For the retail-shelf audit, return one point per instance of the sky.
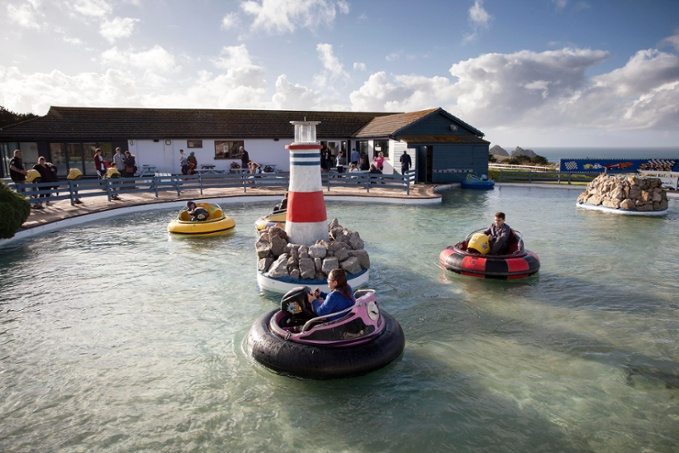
(529, 73)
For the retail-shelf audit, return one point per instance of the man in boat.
(499, 233)
(196, 212)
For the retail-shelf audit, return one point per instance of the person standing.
(16, 170)
(99, 163)
(191, 163)
(183, 163)
(45, 176)
(130, 164)
(379, 161)
(406, 162)
(355, 156)
(244, 158)
(325, 157)
(119, 160)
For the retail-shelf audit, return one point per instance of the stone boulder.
(629, 193)
(343, 248)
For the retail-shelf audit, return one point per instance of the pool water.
(116, 337)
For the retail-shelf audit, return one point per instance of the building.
(443, 148)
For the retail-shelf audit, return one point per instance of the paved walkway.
(61, 210)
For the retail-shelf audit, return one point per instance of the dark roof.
(386, 126)
(442, 139)
(85, 123)
(391, 125)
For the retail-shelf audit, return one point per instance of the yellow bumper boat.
(216, 222)
(277, 218)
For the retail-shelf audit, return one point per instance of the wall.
(452, 162)
(166, 157)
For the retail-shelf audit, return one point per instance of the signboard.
(617, 165)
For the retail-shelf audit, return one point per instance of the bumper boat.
(216, 222)
(479, 183)
(275, 219)
(355, 341)
(516, 263)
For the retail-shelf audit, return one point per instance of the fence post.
(244, 181)
(107, 182)
(200, 183)
(155, 184)
(177, 184)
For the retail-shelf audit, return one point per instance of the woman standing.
(99, 163)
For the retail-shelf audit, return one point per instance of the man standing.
(119, 160)
(355, 156)
(244, 158)
(183, 162)
(16, 170)
(406, 162)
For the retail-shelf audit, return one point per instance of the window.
(381, 146)
(363, 147)
(228, 149)
(58, 157)
(194, 143)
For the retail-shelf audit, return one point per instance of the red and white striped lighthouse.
(306, 221)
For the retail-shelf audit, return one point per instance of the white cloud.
(291, 96)
(478, 15)
(38, 91)
(539, 90)
(25, 15)
(229, 21)
(673, 41)
(287, 15)
(393, 56)
(118, 27)
(478, 18)
(560, 4)
(72, 40)
(91, 8)
(155, 60)
(382, 92)
(359, 66)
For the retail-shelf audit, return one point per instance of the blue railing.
(75, 190)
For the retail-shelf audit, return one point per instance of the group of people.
(188, 164)
(124, 163)
(47, 172)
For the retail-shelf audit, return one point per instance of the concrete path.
(62, 210)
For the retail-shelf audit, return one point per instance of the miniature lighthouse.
(306, 221)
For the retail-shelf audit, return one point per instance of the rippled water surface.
(116, 337)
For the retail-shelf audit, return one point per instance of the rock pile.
(629, 193)
(277, 257)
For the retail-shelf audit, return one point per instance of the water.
(553, 154)
(114, 337)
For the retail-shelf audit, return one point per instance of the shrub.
(14, 210)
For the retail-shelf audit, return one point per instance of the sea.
(554, 154)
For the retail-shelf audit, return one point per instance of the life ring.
(324, 362)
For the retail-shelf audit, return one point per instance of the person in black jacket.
(48, 173)
(406, 162)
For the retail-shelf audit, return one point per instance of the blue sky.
(526, 73)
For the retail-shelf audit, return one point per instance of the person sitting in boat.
(499, 233)
(340, 297)
(196, 212)
(282, 206)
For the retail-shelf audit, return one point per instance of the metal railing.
(540, 176)
(76, 190)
